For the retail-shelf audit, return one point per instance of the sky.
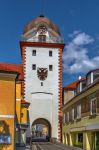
(78, 21)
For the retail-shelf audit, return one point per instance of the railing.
(48, 39)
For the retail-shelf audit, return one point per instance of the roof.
(71, 86)
(92, 71)
(25, 102)
(41, 19)
(83, 91)
(12, 67)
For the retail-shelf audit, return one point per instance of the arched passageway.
(41, 130)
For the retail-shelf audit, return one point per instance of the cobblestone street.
(50, 146)
(47, 146)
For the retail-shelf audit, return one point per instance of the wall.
(68, 95)
(18, 102)
(7, 106)
(45, 104)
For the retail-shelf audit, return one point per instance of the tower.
(41, 48)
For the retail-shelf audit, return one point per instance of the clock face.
(42, 30)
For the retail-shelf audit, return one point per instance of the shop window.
(34, 53)
(93, 106)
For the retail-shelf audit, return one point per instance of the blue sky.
(78, 21)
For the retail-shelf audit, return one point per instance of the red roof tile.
(71, 86)
(12, 67)
(24, 102)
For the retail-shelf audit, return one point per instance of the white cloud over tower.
(76, 57)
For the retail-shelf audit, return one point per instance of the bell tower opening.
(41, 130)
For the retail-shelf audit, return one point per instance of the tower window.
(33, 67)
(42, 38)
(50, 53)
(34, 53)
(41, 83)
(50, 67)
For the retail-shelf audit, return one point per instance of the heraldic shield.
(42, 73)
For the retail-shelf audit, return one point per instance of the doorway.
(41, 130)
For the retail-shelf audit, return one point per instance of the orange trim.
(60, 96)
(24, 102)
(41, 44)
(23, 64)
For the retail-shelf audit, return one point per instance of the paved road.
(50, 146)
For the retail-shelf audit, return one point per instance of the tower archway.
(41, 130)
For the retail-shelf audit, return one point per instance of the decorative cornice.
(40, 44)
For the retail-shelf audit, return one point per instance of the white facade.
(45, 96)
(44, 99)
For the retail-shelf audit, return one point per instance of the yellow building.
(13, 108)
(81, 113)
(7, 109)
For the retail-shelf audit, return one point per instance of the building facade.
(81, 113)
(13, 109)
(41, 49)
(39, 82)
(7, 109)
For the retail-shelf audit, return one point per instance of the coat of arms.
(42, 73)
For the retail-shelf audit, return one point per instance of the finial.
(41, 16)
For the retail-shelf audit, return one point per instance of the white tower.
(41, 48)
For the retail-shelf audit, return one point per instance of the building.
(7, 109)
(81, 112)
(41, 49)
(13, 109)
(39, 82)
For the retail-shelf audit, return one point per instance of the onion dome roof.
(39, 20)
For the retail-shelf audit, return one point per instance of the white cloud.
(75, 56)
